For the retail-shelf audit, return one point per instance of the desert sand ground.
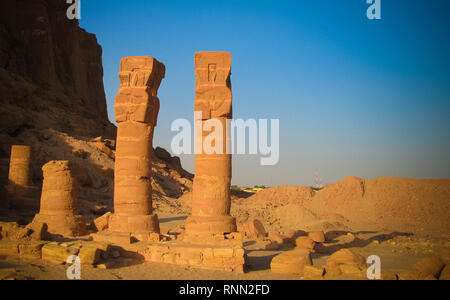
(398, 252)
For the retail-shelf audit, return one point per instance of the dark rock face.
(51, 73)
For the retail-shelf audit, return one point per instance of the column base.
(213, 225)
(24, 199)
(62, 225)
(140, 227)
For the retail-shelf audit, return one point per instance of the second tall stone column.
(211, 192)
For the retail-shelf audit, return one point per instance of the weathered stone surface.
(58, 254)
(348, 257)
(265, 244)
(253, 229)
(332, 270)
(4, 202)
(9, 248)
(115, 238)
(305, 243)
(406, 275)
(39, 231)
(90, 254)
(19, 166)
(278, 238)
(53, 70)
(137, 108)
(13, 231)
(429, 266)
(353, 270)
(20, 193)
(389, 275)
(217, 240)
(102, 223)
(317, 236)
(312, 272)
(228, 259)
(445, 273)
(59, 202)
(293, 235)
(321, 249)
(31, 249)
(103, 147)
(291, 262)
(211, 192)
(445, 256)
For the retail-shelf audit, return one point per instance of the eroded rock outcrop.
(53, 99)
(49, 65)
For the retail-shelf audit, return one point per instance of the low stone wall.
(90, 253)
(214, 254)
(228, 259)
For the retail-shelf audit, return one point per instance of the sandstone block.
(9, 248)
(312, 272)
(293, 235)
(114, 238)
(39, 231)
(353, 270)
(317, 236)
(90, 254)
(407, 275)
(445, 256)
(31, 249)
(305, 243)
(10, 230)
(277, 237)
(223, 252)
(429, 266)
(389, 275)
(57, 254)
(321, 249)
(105, 149)
(254, 229)
(102, 223)
(445, 273)
(291, 262)
(347, 257)
(332, 270)
(208, 252)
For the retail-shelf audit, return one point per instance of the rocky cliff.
(51, 73)
(52, 98)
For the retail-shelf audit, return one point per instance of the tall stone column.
(59, 201)
(21, 194)
(211, 191)
(19, 165)
(136, 108)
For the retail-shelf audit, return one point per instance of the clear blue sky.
(354, 96)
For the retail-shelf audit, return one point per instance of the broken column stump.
(59, 208)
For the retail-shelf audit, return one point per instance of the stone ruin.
(137, 108)
(211, 192)
(59, 210)
(21, 195)
(133, 228)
